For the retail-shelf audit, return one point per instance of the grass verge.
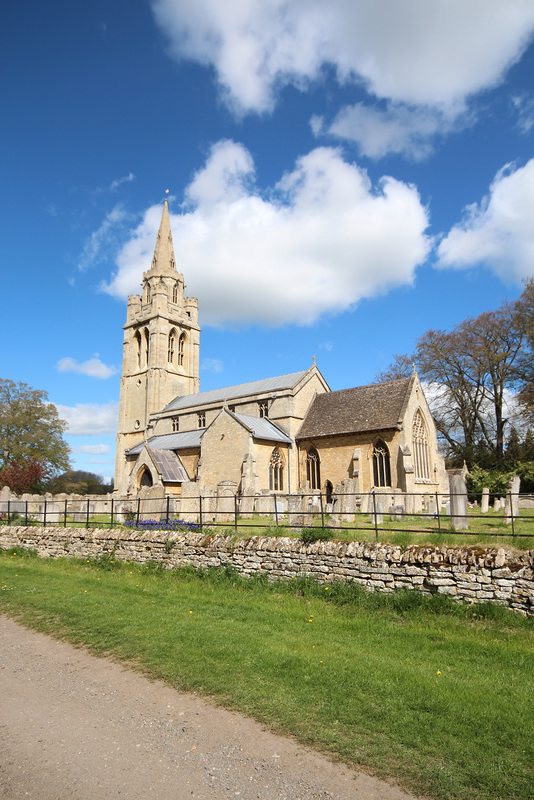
(437, 696)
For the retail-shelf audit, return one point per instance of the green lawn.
(436, 696)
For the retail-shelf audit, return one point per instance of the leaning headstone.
(396, 513)
(484, 502)
(458, 502)
(511, 508)
(496, 504)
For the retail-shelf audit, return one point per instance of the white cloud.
(324, 239)
(212, 365)
(101, 242)
(87, 420)
(418, 52)
(524, 107)
(498, 231)
(119, 181)
(397, 128)
(93, 449)
(94, 368)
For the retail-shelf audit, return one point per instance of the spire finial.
(314, 361)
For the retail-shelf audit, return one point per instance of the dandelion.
(439, 672)
(190, 612)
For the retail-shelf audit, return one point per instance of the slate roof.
(171, 468)
(170, 441)
(233, 392)
(262, 428)
(366, 408)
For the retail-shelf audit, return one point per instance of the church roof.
(234, 392)
(262, 428)
(365, 408)
(169, 465)
(170, 441)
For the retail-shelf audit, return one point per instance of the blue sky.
(343, 176)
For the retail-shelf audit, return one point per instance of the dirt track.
(77, 727)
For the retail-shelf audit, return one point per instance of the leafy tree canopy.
(78, 482)
(30, 429)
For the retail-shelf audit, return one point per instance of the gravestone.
(511, 508)
(458, 491)
(484, 502)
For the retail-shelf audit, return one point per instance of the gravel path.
(77, 727)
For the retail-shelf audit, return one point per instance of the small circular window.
(137, 424)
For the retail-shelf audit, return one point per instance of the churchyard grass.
(437, 696)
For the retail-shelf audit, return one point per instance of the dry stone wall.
(468, 574)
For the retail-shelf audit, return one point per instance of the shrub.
(310, 535)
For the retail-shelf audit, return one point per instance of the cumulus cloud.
(417, 52)
(498, 231)
(93, 449)
(85, 420)
(321, 239)
(395, 128)
(93, 367)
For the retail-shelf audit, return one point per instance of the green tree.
(30, 429)
(524, 309)
(78, 482)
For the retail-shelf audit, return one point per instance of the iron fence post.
(44, 514)
(275, 511)
(200, 510)
(26, 514)
(112, 509)
(167, 511)
(322, 509)
(138, 510)
(235, 513)
(437, 512)
(87, 514)
(65, 514)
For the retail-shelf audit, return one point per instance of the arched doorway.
(146, 478)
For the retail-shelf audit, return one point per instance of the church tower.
(161, 348)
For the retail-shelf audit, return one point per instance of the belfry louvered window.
(421, 456)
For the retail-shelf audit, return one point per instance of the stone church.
(275, 435)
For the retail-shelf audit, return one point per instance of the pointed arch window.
(381, 464)
(146, 337)
(181, 350)
(137, 340)
(313, 470)
(171, 346)
(146, 478)
(276, 471)
(421, 455)
(175, 293)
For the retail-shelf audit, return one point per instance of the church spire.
(163, 260)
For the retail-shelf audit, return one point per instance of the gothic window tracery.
(201, 418)
(175, 293)
(313, 470)
(381, 464)
(263, 408)
(276, 471)
(421, 455)
(175, 424)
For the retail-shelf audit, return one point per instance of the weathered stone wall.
(469, 574)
